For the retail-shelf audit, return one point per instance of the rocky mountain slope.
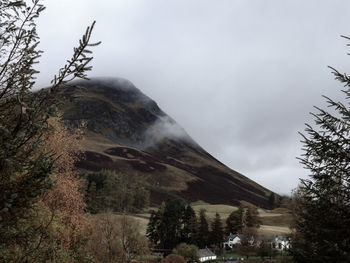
(126, 131)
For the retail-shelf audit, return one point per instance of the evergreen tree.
(24, 164)
(108, 190)
(165, 227)
(202, 238)
(217, 232)
(322, 206)
(172, 223)
(272, 200)
(152, 227)
(91, 198)
(241, 214)
(189, 225)
(234, 222)
(252, 217)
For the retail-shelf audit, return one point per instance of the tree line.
(111, 191)
(176, 222)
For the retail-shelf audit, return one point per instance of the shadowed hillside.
(126, 131)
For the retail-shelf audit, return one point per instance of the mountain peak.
(128, 132)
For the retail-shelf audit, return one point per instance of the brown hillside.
(126, 131)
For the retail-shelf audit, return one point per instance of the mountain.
(126, 131)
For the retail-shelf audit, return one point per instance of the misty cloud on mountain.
(164, 127)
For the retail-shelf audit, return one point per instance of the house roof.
(232, 236)
(273, 238)
(205, 252)
(282, 238)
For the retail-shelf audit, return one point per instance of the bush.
(189, 252)
(172, 258)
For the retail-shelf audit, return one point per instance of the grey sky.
(239, 76)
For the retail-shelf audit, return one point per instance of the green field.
(211, 210)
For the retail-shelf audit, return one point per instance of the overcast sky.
(239, 76)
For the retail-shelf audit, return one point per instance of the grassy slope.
(174, 168)
(171, 179)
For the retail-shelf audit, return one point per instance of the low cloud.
(163, 128)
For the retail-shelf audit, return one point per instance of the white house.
(276, 242)
(206, 254)
(231, 241)
(280, 243)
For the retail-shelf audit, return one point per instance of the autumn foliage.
(113, 238)
(65, 198)
(41, 209)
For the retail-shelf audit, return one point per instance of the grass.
(199, 202)
(273, 230)
(143, 222)
(268, 213)
(282, 256)
(275, 222)
(211, 210)
(281, 220)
